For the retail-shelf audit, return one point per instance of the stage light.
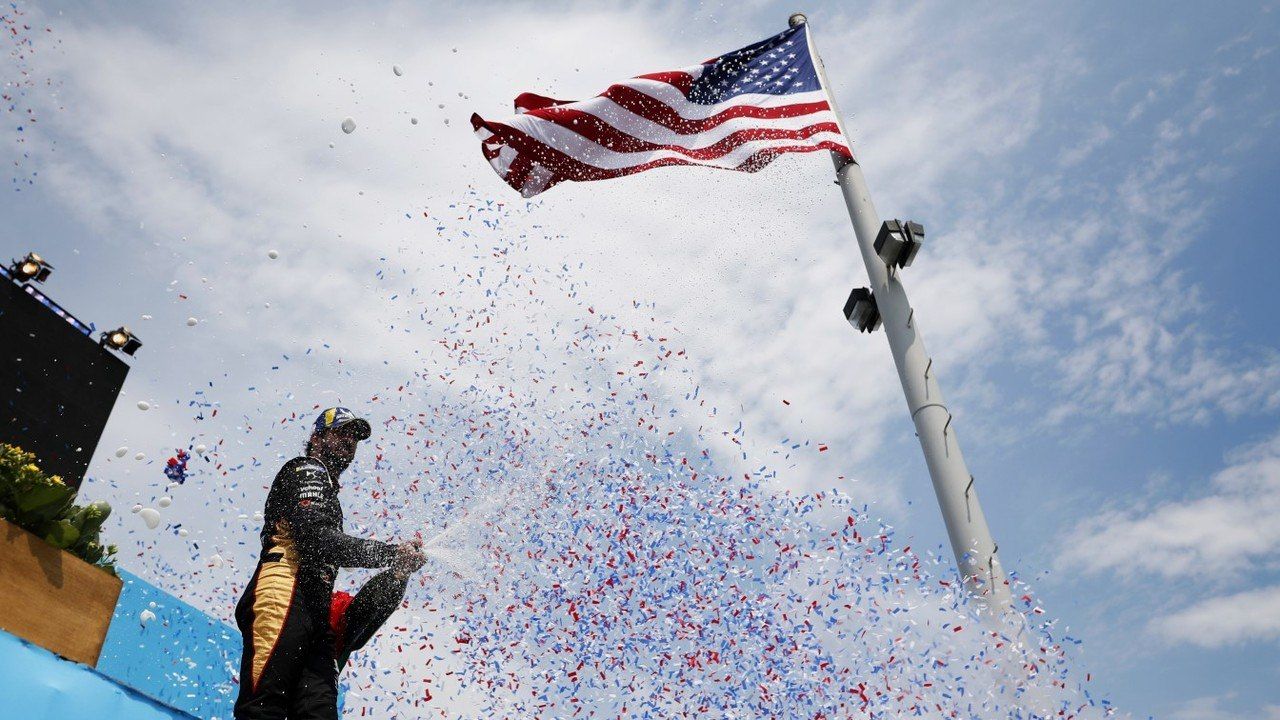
(31, 267)
(898, 242)
(861, 310)
(121, 339)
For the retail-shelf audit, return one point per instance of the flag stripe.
(568, 134)
(663, 105)
(595, 120)
(568, 167)
(571, 142)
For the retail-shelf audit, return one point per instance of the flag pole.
(967, 529)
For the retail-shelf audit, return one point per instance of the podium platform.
(178, 665)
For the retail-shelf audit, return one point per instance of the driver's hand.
(409, 556)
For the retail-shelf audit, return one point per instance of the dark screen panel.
(57, 385)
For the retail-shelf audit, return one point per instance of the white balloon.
(273, 254)
(348, 126)
(121, 451)
(140, 456)
(146, 616)
(191, 322)
(200, 449)
(136, 509)
(182, 532)
(144, 405)
(165, 502)
(396, 69)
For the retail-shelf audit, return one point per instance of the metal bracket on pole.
(927, 405)
(967, 510)
(991, 566)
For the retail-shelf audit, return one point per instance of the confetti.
(603, 542)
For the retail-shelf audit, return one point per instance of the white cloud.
(1233, 528)
(1249, 616)
(1211, 708)
(1096, 137)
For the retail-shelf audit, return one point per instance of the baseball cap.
(336, 417)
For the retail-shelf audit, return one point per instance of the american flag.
(737, 111)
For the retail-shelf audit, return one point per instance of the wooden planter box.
(52, 598)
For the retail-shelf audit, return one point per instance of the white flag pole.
(967, 529)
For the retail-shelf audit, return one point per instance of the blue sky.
(1098, 182)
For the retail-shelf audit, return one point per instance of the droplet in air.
(413, 121)
(151, 517)
(348, 126)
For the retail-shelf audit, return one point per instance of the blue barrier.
(182, 658)
(35, 684)
(178, 665)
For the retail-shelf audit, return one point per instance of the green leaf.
(42, 503)
(61, 534)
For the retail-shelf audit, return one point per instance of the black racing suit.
(287, 667)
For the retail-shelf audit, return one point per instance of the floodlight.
(30, 268)
(861, 310)
(898, 242)
(121, 339)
